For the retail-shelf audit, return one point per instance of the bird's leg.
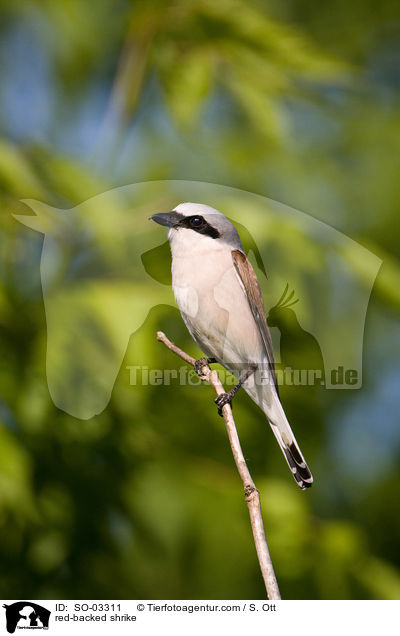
(199, 364)
(226, 398)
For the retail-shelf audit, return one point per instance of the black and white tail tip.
(298, 466)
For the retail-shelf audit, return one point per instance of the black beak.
(169, 219)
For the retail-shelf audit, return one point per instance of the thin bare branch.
(251, 493)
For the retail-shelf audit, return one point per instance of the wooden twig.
(251, 493)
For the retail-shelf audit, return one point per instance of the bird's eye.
(196, 221)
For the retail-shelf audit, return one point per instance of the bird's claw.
(221, 400)
(199, 364)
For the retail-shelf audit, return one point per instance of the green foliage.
(299, 103)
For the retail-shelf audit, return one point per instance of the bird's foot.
(202, 362)
(224, 398)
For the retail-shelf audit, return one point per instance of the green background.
(295, 101)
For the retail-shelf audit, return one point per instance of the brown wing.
(249, 279)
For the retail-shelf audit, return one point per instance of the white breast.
(212, 301)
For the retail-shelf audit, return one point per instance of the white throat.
(186, 243)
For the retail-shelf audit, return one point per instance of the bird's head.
(198, 227)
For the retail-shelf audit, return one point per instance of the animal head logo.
(104, 267)
(299, 349)
(26, 615)
(281, 313)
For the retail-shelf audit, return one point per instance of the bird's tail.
(269, 402)
(284, 434)
(292, 453)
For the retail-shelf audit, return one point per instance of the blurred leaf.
(382, 579)
(188, 85)
(15, 475)
(17, 177)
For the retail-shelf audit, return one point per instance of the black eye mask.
(200, 225)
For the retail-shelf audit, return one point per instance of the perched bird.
(218, 295)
